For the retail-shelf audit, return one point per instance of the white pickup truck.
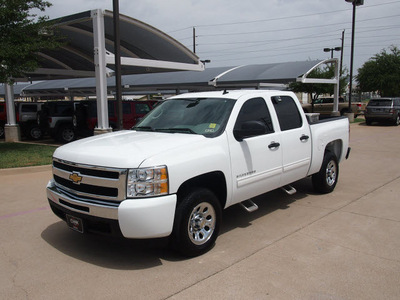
(189, 158)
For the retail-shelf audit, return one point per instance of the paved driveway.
(344, 245)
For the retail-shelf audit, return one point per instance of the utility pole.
(194, 39)
(341, 55)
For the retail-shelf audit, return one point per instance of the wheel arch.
(214, 181)
(335, 147)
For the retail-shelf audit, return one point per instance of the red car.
(85, 116)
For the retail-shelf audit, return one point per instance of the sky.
(237, 32)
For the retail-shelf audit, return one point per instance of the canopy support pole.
(100, 70)
(11, 129)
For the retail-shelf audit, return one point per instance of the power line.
(252, 45)
(283, 18)
(293, 28)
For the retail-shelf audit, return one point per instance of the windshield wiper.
(181, 130)
(144, 128)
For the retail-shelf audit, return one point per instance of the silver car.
(383, 110)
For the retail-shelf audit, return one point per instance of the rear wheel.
(34, 132)
(397, 121)
(1, 131)
(66, 134)
(325, 180)
(197, 222)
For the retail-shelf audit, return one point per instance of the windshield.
(205, 116)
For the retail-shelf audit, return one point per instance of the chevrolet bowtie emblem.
(75, 177)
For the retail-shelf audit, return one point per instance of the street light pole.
(355, 3)
(332, 49)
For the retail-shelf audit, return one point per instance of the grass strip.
(16, 155)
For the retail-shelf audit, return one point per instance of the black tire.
(1, 131)
(35, 132)
(197, 222)
(397, 121)
(325, 180)
(65, 134)
(368, 122)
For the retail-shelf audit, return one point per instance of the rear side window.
(126, 108)
(287, 112)
(29, 108)
(63, 109)
(380, 103)
(142, 108)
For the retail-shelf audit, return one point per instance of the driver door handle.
(273, 145)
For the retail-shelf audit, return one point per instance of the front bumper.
(133, 218)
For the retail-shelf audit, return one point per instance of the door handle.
(304, 137)
(273, 145)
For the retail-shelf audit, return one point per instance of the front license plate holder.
(75, 223)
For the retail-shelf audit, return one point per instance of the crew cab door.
(256, 159)
(295, 139)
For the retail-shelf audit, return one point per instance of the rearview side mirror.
(249, 129)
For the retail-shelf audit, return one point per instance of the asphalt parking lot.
(344, 245)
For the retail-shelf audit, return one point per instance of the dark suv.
(383, 110)
(55, 118)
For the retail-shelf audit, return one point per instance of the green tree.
(23, 34)
(381, 73)
(317, 89)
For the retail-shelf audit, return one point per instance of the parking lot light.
(355, 3)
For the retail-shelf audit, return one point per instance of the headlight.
(147, 182)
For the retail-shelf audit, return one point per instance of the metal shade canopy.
(18, 89)
(251, 76)
(144, 49)
(89, 52)
(256, 75)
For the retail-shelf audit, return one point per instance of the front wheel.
(198, 218)
(325, 180)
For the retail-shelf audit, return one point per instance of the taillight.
(49, 120)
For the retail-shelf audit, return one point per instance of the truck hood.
(123, 149)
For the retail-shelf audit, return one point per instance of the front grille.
(93, 182)
(87, 188)
(85, 171)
